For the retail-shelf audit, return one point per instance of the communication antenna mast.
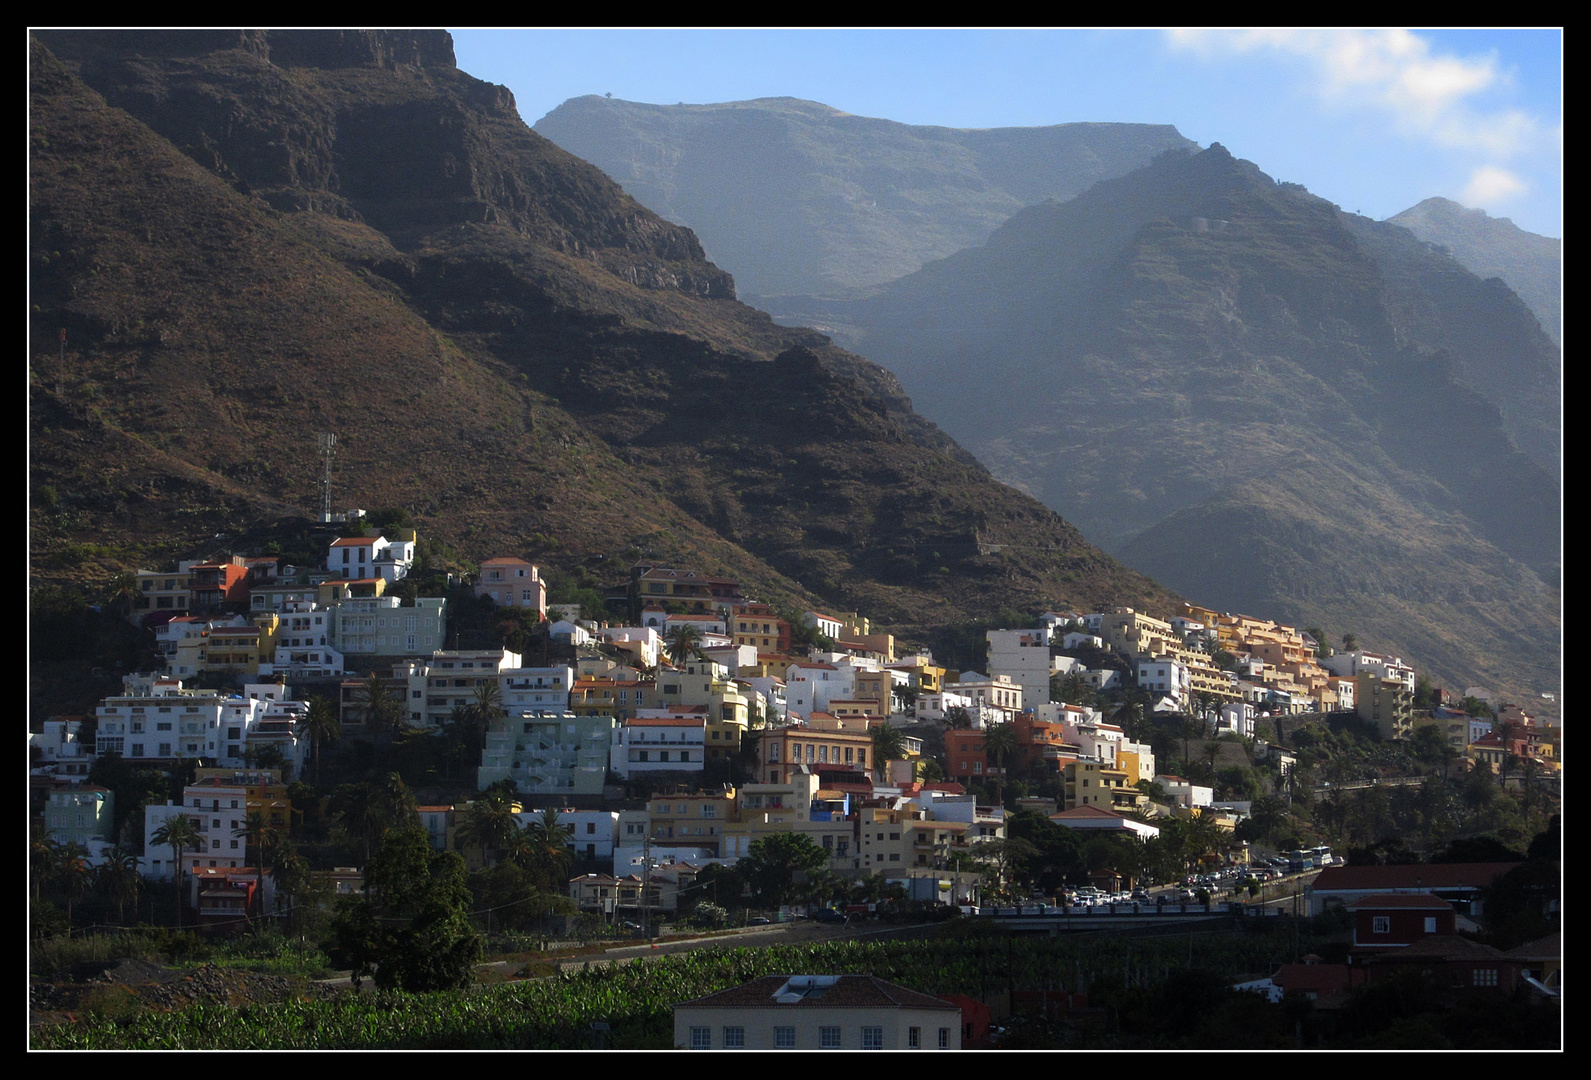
(328, 451)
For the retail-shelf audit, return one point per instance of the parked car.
(829, 915)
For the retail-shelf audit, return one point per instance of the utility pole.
(646, 882)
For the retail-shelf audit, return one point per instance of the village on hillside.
(698, 721)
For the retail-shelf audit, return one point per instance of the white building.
(365, 557)
(385, 626)
(809, 687)
(817, 1012)
(1165, 677)
(666, 745)
(157, 720)
(59, 749)
(1024, 657)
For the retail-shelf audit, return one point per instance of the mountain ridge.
(562, 377)
(1195, 343)
(823, 202)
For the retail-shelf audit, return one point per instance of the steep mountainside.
(248, 237)
(799, 198)
(1488, 247)
(1264, 402)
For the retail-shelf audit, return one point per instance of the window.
(944, 1038)
(709, 810)
(1381, 924)
(1484, 977)
(1430, 924)
(914, 1038)
(784, 1038)
(734, 1038)
(872, 1038)
(829, 1038)
(701, 1038)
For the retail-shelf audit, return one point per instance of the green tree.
(776, 867)
(183, 835)
(366, 810)
(413, 931)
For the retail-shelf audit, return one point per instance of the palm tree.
(289, 870)
(183, 835)
(486, 709)
(490, 824)
(397, 802)
(74, 876)
(999, 745)
(45, 861)
(124, 590)
(118, 878)
(888, 745)
(683, 641)
(383, 711)
(549, 845)
(1129, 716)
(319, 723)
(252, 833)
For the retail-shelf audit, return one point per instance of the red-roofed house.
(1397, 920)
(1458, 883)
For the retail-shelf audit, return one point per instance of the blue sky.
(1374, 120)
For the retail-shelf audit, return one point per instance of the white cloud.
(1489, 185)
(1394, 71)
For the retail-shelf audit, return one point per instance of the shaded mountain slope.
(800, 198)
(251, 237)
(1251, 396)
(1489, 247)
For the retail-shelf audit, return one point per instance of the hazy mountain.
(798, 198)
(1266, 403)
(249, 237)
(1490, 247)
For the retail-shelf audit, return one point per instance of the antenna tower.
(328, 451)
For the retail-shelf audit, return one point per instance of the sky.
(1374, 120)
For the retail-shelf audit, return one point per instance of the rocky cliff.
(249, 237)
